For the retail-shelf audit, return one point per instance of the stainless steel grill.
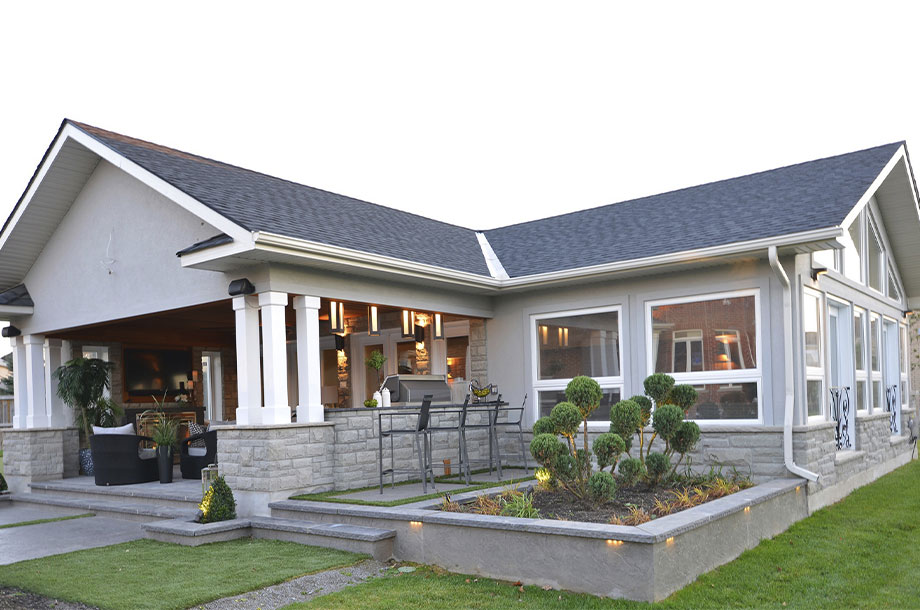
(410, 389)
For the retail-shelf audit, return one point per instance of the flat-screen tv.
(149, 372)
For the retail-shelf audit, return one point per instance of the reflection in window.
(874, 339)
(859, 332)
(457, 357)
(874, 259)
(852, 262)
(713, 335)
(815, 392)
(812, 325)
(893, 290)
(725, 401)
(406, 358)
(861, 400)
(549, 399)
(587, 344)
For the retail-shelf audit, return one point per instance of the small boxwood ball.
(602, 486)
(544, 425)
(644, 403)
(625, 418)
(631, 470)
(658, 465)
(684, 396)
(666, 419)
(545, 447)
(566, 417)
(584, 393)
(608, 447)
(658, 386)
(685, 437)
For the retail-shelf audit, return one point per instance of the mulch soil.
(17, 599)
(560, 505)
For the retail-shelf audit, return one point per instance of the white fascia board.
(16, 310)
(192, 259)
(889, 167)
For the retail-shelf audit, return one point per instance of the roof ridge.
(702, 184)
(89, 129)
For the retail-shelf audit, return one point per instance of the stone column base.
(262, 464)
(39, 454)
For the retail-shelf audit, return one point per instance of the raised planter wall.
(39, 454)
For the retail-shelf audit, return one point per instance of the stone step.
(115, 507)
(183, 497)
(359, 539)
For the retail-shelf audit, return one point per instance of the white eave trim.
(864, 200)
(16, 310)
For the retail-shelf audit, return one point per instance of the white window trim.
(876, 375)
(873, 232)
(904, 334)
(713, 377)
(214, 388)
(816, 373)
(606, 383)
(861, 375)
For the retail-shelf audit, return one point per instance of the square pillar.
(309, 405)
(20, 391)
(36, 410)
(277, 409)
(56, 409)
(248, 361)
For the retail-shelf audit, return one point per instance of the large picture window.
(711, 342)
(572, 343)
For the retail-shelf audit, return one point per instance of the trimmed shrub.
(544, 425)
(625, 418)
(685, 437)
(602, 486)
(584, 393)
(545, 447)
(631, 470)
(684, 396)
(218, 504)
(658, 386)
(666, 420)
(645, 404)
(607, 448)
(566, 417)
(658, 465)
(3, 486)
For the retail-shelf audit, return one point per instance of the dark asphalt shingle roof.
(17, 296)
(813, 195)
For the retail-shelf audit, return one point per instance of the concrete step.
(180, 495)
(116, 507)
(359, 539)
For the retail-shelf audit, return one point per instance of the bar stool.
(432, 429)
(491, 416)
(422, 437)
(518, 423)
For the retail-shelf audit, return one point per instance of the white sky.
(476, 113)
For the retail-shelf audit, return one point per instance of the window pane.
(812, 325)
(859, 333)
(815, 391)
(579, 345)
(852, 262)
(874, 261)
(861, 404)
(550, 398)
(405, 358)
(826, 259)
(893, 291)
(718, 335)
(876, 395)
(457, 349)
(905, 349)
(725, 401)
(874, 339)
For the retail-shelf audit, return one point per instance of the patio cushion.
(126, 429)
(197, 451)
(195, 429)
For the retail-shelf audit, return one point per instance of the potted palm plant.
(165, 433)
(82, 385)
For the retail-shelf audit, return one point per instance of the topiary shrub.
(658, 386)
(545, 447)
(645, 405)
(584, 393)
(658, 465)
(625, 418)
(566, 417)
(685, 438)
(608, 448)
(218, 503)
(666, 420)
(631, 470)
(544, 425)
(684, 396)
(3, 486)
(602, 486)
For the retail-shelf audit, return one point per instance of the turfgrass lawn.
(147, 574)
(861, 553)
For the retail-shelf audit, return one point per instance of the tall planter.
(165, 463)
(86, 462)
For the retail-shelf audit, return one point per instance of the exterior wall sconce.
(438, 327)
(420, 334)
(240, 287)
(10, 331)
(339, 342)
(337, 316)
(373, 321)
(408, 324)
(816, 271)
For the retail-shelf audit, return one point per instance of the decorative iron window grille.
(892, 404)
(840, 411)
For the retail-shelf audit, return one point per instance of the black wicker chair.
(191, 465)
(116, 460)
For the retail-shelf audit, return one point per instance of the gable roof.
(804, 197)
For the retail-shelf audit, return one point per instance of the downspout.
(791, 466)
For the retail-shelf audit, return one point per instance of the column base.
(310, 414)
(248, 416)
(276, 415)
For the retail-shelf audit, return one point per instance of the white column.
(36, 410)
(309, 405)
(248, 363)
(56, 409)
(20, 392)
(277, 409)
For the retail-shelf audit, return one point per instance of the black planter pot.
(165, 463)
(86, 462)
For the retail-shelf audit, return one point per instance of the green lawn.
(860, 553)
(145, 574)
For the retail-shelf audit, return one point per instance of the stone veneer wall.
(39, 454)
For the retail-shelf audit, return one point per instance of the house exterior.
(782, 296)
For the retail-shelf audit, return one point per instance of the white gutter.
(791, 466)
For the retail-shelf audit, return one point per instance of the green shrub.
(584, 393)
(631, 470)
(685, 437)
(218, 503)
(544, 425)
(658, 386)
(520, 505)
(666, 420)
(625, 418)
(607, 448)
(645, 404)
(684, 396)
(658, 465)
(602, 486)
(3, 486)
(566, 417)
(545, 447)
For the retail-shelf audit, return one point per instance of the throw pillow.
(126, 429)
(194, 429)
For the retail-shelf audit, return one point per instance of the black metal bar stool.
(422, 437)
(461, 418)
(510, 425)
(491, 415)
